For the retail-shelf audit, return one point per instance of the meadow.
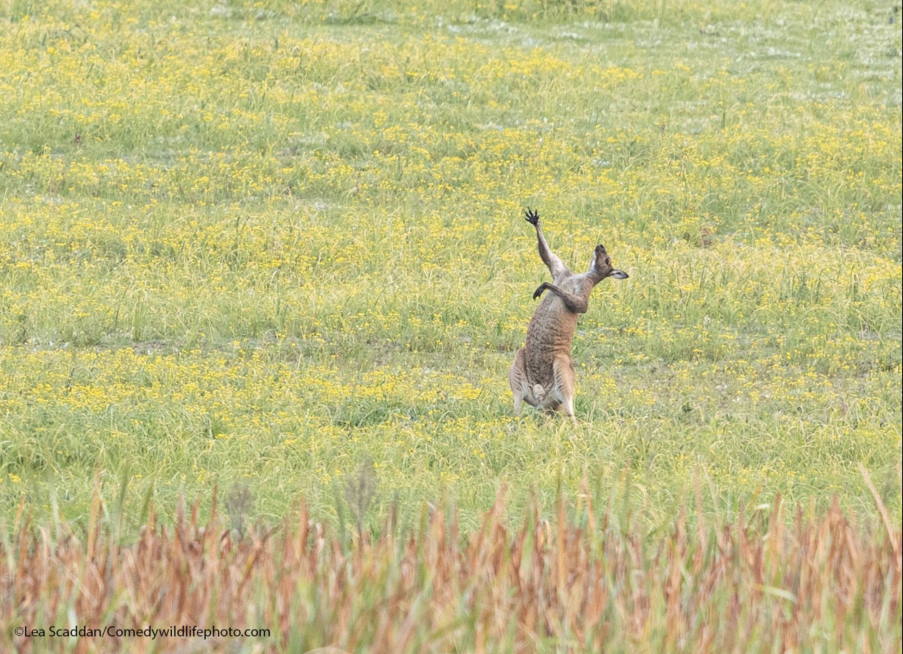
(275, 250)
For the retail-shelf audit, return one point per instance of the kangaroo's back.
(550, 333)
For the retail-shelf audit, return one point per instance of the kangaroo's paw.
(531, 216)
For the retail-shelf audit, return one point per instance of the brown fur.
(542, 374)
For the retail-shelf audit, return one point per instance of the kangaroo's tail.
(539, 392)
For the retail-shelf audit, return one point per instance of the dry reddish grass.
(586, 580)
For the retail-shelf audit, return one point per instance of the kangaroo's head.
(601, 267)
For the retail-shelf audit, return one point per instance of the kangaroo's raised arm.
(556, 267)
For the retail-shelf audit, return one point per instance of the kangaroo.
(542, 374)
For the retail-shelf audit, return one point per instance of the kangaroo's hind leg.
(565, 384)
(517, 380)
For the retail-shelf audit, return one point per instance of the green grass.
(266, 244)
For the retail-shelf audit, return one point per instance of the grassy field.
(264, 246)
(277, 249)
